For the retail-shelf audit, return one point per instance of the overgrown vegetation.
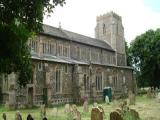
(129, 116)
(146, 107)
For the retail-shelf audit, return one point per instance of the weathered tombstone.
(115, 102)
(74, 107)
(85, 106)
(67, 108)
(158, 97)
(75, 113)
(18, 116)
(55, 112)
(4, 116)
(131, 97)
(29, 117)
(115, 116)
(107, 99)
(134, 113)
(96, 114)
(43, 111)
(95, 104)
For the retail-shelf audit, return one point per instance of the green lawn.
(149, 109)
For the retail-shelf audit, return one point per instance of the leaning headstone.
(74, 107)
(134, 113)
(43, 111)
(4, 116)
(18, 116)
(75, 113)
(67, 108)
(115, 116)
(85, 106)
(107, 99)
(131, 97)
(96, 114)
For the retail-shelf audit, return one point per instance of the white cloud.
(80, 16)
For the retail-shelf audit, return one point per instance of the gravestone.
(4, 116)
(75, 113)
(134, 113)
(18, 116)
(55, 112)
(151, 93)
(29, 117)
(85, 106)
(43, 111)
(74, 107)
(131, 97)
(96, 114)
(158, 97)
(115, 116)
(95, 104)
(67, 108)
(107, 99)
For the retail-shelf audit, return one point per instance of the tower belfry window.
(104, 29)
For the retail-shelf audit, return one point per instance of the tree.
(145, 51)
(128, 55)
(20, 19)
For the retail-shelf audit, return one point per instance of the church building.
(68, 66)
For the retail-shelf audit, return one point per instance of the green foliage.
(129, 116)
(28, 12)
(145, 51)
(19, 20)
(128, 55)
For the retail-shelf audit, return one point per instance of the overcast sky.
(80, 15)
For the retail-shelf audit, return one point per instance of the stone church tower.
(109, 28)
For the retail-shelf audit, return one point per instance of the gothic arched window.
(104, 29)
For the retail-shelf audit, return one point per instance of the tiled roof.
(58, 32)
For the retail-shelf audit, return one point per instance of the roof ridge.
(62, 30)
(76, 37)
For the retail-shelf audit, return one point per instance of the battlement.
(107, 15)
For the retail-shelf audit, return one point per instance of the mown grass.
(149, 109)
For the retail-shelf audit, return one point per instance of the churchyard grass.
(148, 109)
